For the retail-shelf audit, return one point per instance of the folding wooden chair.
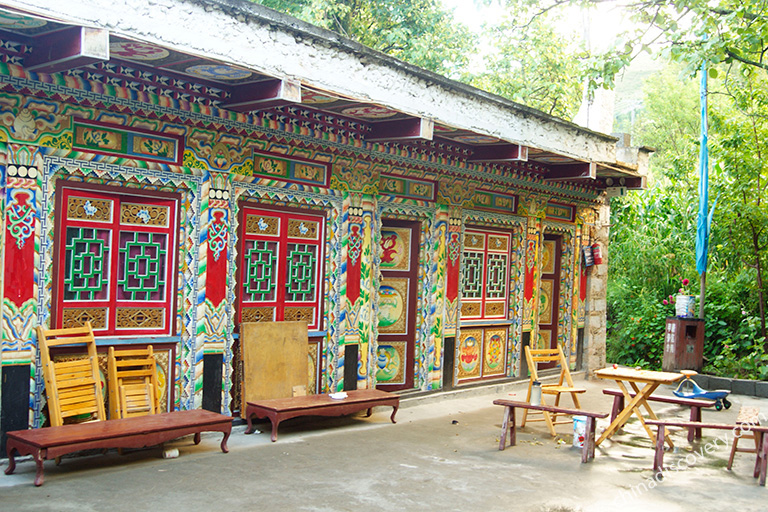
(73, 388)
(564, 384)
(133, 388)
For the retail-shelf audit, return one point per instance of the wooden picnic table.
(649, 380)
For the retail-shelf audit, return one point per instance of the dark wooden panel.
(212, 381)
(14, 412)
(350, 366)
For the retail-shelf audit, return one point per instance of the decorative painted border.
(407, 187)
(190, 301)
(87, 92)
(565, 331)
(495, 201)
(429, 327)
(307, 172)
(516, 278)
(109, 139)
(332, 367)
(560, 212)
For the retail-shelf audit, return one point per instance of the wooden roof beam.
(499, 153)
(575, 171)
(629, 182)
(263, 95)
(67, 49)
(411, 128)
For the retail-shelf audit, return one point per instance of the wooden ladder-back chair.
(564, 384)
(73, 387)
(133, 388)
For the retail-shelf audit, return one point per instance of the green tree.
(420, 32)
(533, 65)
(741, 179)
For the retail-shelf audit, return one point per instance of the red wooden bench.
(695, 404)
(279, 409)
(587, 451)
(135, 432)
(761, 465)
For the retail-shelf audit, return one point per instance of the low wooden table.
(279, 409)
(650, 381)
(135, 432)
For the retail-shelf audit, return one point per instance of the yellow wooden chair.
(133, 388)
(563, 385)
(73, 387)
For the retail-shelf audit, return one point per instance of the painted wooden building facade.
(170, 171)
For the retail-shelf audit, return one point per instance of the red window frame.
(114, 226)
(280, 304)
(481, 246)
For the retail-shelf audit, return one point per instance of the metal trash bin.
(683, 344)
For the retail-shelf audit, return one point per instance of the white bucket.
(579, 431)
(685, 305)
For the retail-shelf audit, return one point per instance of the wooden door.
(398, 294)
(549, 293)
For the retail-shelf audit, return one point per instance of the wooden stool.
(747, 416)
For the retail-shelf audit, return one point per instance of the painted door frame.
(397, 276)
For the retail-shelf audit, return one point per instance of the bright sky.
(605, 21)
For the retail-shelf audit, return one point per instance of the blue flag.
(704, 220)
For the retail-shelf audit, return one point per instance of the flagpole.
(702, 234)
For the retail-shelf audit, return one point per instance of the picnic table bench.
(761, 464)
(280, 409)
(136, 432)
(587, 451)
(695, 404)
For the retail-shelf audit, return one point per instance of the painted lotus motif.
(470, 354)
(388, 363)
(391, 305)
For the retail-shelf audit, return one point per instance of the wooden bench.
(761, 431)
(136, 432)
(695, 404)
(587, 451)
(280, 409)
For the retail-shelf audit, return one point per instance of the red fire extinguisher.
(597, 253)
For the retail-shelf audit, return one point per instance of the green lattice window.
(472, 270)
(301, 274)
(260, 271)
(141, 267)
(86, 264)
(281, 266)
(496, 279)
(117, 262)
(485, 274)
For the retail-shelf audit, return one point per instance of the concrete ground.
(441, 455)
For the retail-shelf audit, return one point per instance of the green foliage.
(417, 31)
(635, 328)
(746, 364)
(533, 65)
(727, 31)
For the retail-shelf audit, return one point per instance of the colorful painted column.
(19, 290)
(215, 323)
(533, 207)
(440, 261)
(359, 284)
(453, 271)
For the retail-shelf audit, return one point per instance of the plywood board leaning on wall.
(274, 360)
